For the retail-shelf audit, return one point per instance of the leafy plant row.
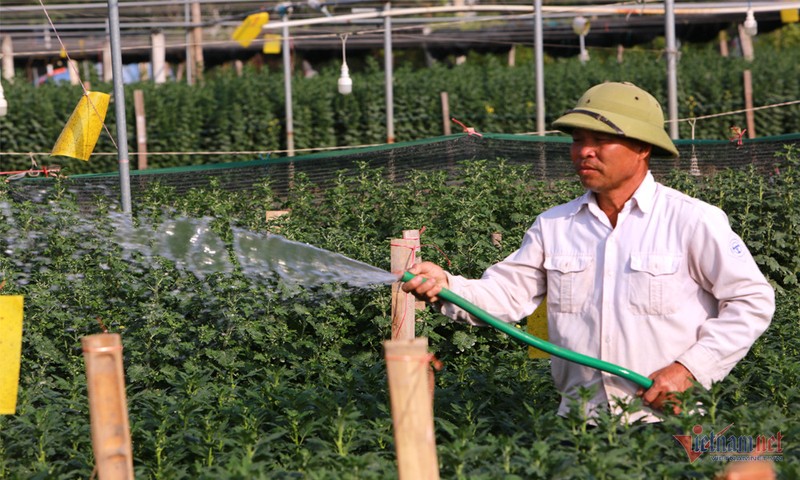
(228, 377)
(231, 113)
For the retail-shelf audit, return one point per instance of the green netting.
(547, 157)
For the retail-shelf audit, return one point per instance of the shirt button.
(608, 339)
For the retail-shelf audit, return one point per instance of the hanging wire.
(71, 65)
(344, 36)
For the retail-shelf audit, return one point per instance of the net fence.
(546, 157)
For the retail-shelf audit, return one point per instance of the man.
(635, 273)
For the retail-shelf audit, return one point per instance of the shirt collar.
(644, 196)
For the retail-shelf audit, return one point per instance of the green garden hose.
(536, 342)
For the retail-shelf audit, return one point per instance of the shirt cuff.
(455, 283)
(698, 360)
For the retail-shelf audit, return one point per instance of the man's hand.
(667, 381)
(429, 281)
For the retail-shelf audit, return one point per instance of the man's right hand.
(428, 282)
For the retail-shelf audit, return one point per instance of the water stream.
(192, 245)
(188, 242)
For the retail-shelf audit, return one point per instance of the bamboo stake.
(72, 71)
(7, 49)
(445, 113)
(723, 43)
(415, 235)
(158, 56)
(198, 63)
(111, 438)
(141, 129)
(108, 74)
(748, 104)
(407, 368)
(403, 256)
(746, 42)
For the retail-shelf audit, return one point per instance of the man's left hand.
(667, 381)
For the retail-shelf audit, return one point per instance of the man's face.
(606, 162)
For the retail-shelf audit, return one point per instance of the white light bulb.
(345, 82)
(750, 24)
(580, 25)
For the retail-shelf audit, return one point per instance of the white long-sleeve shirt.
(671, 282)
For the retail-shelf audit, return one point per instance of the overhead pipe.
(643, 9)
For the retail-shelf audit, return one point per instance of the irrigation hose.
(537, 342)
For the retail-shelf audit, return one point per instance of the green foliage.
(232, 378)
(230, 113)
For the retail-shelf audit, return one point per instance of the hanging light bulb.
(581, 26)
(750, 25)
(345, 82)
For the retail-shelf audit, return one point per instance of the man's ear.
(646, 149)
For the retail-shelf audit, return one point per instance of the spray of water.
(191, 244)
(300, 263)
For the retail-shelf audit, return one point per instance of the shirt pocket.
(654, 283)
(569, 282)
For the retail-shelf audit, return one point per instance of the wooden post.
(197, 42)
(415, 236)
(73, 72)
(748, 104)
(158, 56)
(723, 43)
(445, 113)
(141, 129)
(111, 438)
(403, 256)
(7, 50)
(746, 41)
(407, 368)
(108, 74)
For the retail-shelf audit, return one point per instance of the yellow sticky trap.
(10, 351)
(272, 44)
(790, 16)
(83, 128)
(250, 28)
(537, 326)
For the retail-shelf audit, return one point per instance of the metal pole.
(119, 106)
(539, 61)
(388, 61)
(287, 82)
(672, 74)
(187, 15)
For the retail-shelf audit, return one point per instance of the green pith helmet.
(621, 109)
